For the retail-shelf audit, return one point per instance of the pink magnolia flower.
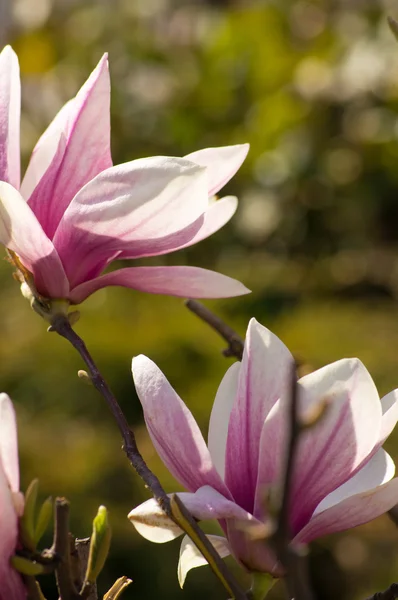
(342, 476)
(11, 502)
(75, 213)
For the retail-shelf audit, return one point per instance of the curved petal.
(173, 430)
(389, 407)
(10, 103)
(21, 232)
(219, 418)
(86, 126)
(11, 585)
(330, 452)
(376, 472)
(135, 202)
(191, 557)
(9, 442)
(185, 282)
(264, 377)
(153, 524)
(351, 512)
(207, 504)
(45, 151)
(222, 163)
(216, 216)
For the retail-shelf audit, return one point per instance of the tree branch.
(235, 342)
(390, 594)
(295, 564)
(62, 326)
(61, 547)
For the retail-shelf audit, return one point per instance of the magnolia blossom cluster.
(342, 476)
(74, 213)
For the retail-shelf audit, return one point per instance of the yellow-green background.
(313, 86)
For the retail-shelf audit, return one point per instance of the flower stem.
(235, 342)
(62, 326)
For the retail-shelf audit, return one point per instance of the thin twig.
(295, 564)
(235, 342)
(61, 325)
(390, 594)
(63, 572)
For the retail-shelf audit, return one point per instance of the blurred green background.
(313, 86)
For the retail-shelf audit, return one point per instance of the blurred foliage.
(313, 86)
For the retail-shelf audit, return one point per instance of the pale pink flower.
(11, 502)
(342, 476)
(75, 213)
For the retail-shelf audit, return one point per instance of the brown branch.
(295, 564)
(61, 548)
(235, 342)
(390, 594)
(62, 326)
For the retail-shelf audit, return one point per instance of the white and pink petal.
(191, 557)
(10, 110)
(351, 512)
(127, 204)
(9, 442)
(86, 127)
(21, 232)
(331, 451)
(183, 282)
(173, 430)
(222, 163)
(264, 377)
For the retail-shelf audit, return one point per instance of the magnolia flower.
(342, 476)
(75, 213)
(11, 502)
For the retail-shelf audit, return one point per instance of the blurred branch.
(235, 342)
(88, 591)
(295, 563)
(61, 547)
(62, 326)
(5, 21)
(390, 594)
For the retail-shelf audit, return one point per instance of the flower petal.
(264, 377)
(389, 407)
(135, 202)
(153, 524)
(45, 151)
(216, 216)
(191, 557)
(11, 584)
(222, 163)
(9, 442)
(185, 282)
(376, 472)
(87, 152)
(207, 503)
(351, 512)
(219, 418)
(10, 103)
(21, 232)
(330, 452)
(173, 430)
